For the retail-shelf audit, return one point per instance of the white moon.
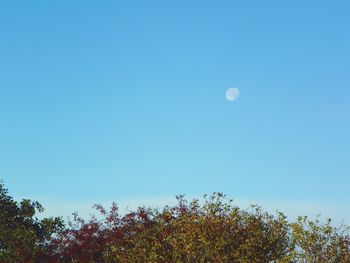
(232, 94)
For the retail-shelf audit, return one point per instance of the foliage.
(216, 231)
(210, 231)
(24, 238)
(321, 243)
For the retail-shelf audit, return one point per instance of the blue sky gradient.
(119, 100)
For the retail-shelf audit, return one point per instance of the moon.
(232, 94)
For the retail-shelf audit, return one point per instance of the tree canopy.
(23, 237)
(192, 231)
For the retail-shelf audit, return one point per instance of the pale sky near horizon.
(125, 100)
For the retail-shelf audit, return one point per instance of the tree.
(211, 231)
(214, 231)
(23, 237)
(187, 232)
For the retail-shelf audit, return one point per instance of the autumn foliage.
(212, 230)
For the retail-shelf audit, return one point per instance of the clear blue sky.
(109, 100)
